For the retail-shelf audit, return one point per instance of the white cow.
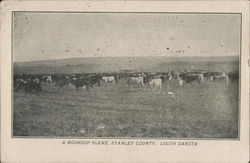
(225, 75)
(108, 79)
(49, 79)
(181, 82)
(156, 84)
(170, 77)
(135, 81)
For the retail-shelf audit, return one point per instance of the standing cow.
(108, 79)
(156, 84)
(135, 81)
(86, 81)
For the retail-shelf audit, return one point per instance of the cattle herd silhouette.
(33, 83)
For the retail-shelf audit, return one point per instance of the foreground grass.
(201, 111)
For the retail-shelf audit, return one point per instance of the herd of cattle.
(30, 83)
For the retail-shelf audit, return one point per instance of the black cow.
(193, 79)
(87, 81)
(189, 78)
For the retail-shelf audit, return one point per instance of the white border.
(51, 150)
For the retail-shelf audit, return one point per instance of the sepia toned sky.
(44, 36)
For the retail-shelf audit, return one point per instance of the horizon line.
(124, 57)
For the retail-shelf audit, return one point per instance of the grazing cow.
(108, 79)
(135, 81)
(156, 84)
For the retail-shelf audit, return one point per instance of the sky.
(45, 36)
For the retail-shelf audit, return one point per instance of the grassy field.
(209, 110)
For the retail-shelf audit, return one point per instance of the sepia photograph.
(158, 75)
(124, 81)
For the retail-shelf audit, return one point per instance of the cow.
(192, 79)
(132, 81)
(166, 78)
(181, 82)
(108, 79)
(225, 75)
(93, 80)
(189, 79)
(208, 76)
(78, 82)
(46, 79)
(87, 81)
(199, 76)
(220, 77)
(181, 78)
(146, 79)
(174, 77)
(49, 79)
(156, 84)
